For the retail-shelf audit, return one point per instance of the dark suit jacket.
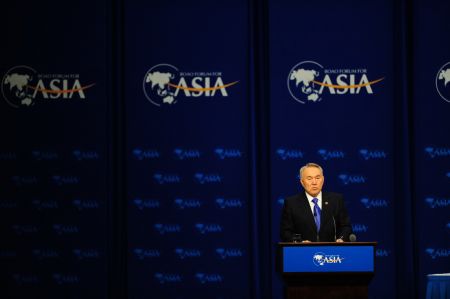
(297, 218)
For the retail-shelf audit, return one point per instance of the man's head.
(311, 178)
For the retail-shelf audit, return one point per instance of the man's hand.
(339, 241)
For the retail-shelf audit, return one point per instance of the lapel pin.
(326, 202)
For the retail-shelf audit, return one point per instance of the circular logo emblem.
(301, 81)
(319, 259)
(17, 85)
(158, 84)
(443, 82)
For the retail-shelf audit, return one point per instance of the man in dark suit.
(317, 216)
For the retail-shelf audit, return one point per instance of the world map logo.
(16, 86)
(156, 85)
(443, 82)
(301, 83)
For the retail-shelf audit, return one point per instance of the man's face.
(312, 180)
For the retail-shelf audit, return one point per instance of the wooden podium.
(326, 269)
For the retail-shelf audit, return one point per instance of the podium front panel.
(319, 259)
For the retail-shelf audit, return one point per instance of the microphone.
(352, 237)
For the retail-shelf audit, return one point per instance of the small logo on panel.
(348, 179)
(204, 228)
(163, 229)
(437, 202)
(204, 278)
(370, 203)
(436, 253)
(288, 154)
(224, 203)
(330, 154)
(442, 82)
(227, 153)
(225, 253)
(435, 152)
(164, 278)
(367, 154)
(146, 253)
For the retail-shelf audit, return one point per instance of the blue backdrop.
(148, 146)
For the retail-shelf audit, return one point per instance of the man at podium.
(313, 215)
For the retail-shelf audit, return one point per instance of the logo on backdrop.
(437, 202)
(164, 278)
(349, 179)
(367, 154)
(370, 203)
(443, 82)
(326, 154)
(438, 252)
(288, 154)
(320, 259)
(435, 152)
(308, 81)
(209, 278)
(23, 86)
(165, 84)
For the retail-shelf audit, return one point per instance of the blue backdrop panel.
(54, 154)
(431, 107)
(347, 129)
(187, 149)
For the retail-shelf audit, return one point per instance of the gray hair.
(310, 165)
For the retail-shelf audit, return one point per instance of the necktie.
(316, 213)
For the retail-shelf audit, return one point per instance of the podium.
(326, 269)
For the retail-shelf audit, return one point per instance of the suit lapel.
(326, 210)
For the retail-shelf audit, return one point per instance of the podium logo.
(164, 83)
(224, 153)
(438, 253)
(350, 179)
(437, 202)
(225, 253)
(320, 259)
(435, 152)
(229, 203)
(165, 278)
(23, 86)
(442, 82)
(142, 204)
(367, 154)
(44, 155)
(183, 253)
(142, 253)
(208, 228)
(182, 204)
(185, 154)
(204, 278)
(288, 154)
(330, 154)
(163, 229)
(374, 203)
(148, 154)
(308, 81)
